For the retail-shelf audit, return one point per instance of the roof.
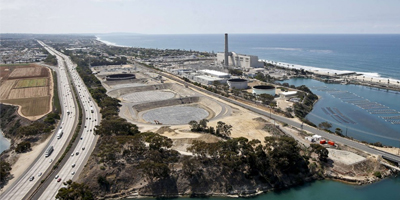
(213, 72)
(289, 93)
(209, 78)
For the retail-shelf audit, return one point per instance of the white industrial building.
(288, 95)
(240, 60)
(214, 73)
(208, 80)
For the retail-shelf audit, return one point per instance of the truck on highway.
(48, 151)
(59, 134)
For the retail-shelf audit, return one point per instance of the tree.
(325, 125)
(23, 147)
(266, 98)
(321, 151)
(74, 191)
(194, 126)
(224, 129)
(338, 131)
(5, 169)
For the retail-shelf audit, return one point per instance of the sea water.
(375, 55)
(4, 142)
(361, 112)
(330, 190)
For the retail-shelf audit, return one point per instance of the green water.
(387, 189)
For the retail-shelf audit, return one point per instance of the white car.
(56, 176)
(40, 174)
(73, 173)
(72, 154)
(73, 165)
(31, 178)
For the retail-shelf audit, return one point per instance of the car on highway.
(77, 153)
(51, 160)
(40, 174)
(72, 154)
(73, 165)
(73, 173)
(31, 178)
(83, 148)
(59, 180)
(56, 176)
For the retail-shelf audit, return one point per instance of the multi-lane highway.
(78, 158)
(39, 167)
(30, 179)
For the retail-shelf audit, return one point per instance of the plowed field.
(28, 92)
(37, 82)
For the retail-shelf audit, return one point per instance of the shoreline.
(312, 69)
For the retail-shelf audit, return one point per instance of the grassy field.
(37, 82)
(32, 106)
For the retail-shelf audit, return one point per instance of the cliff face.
(123, 166)
(11, 121)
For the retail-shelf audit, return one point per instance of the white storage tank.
(237, 83)
(264, 89)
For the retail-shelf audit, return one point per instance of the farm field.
(28, 86)
(32, 106)
(37, 82)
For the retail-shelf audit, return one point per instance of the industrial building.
(237, 60)
(237, 83)
(240, 60)
(264, 89)
(208, 80)
(288, 95)
(214, 73)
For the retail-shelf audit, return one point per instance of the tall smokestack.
(226, 50)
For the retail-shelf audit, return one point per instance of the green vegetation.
(222, 129)
(236, 72)
(23, 147)
(301, 109)
(56, 98)
(325, 126)
(74, 191)
(321, 151)
(51, 60)
(37, 82)
(378, 174)
(5, 169)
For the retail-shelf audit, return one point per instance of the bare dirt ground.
(34, 102)
(20, 162)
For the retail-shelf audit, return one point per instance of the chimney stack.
(226, 50)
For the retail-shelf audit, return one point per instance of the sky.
(200, 16)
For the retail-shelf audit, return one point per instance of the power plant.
(232, 59)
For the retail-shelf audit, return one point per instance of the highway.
(290, 122)
(39, 168)
(86, 143)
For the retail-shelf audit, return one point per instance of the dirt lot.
(5, 88)
(28, 92)
(23, 72)
(28, 86)
(32, 108)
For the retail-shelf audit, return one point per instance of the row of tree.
(221, 130)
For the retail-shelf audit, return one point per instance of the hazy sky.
(200, 16)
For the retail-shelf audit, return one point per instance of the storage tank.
(237, 83)
(264, 89)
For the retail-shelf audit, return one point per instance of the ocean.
(372, 55)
